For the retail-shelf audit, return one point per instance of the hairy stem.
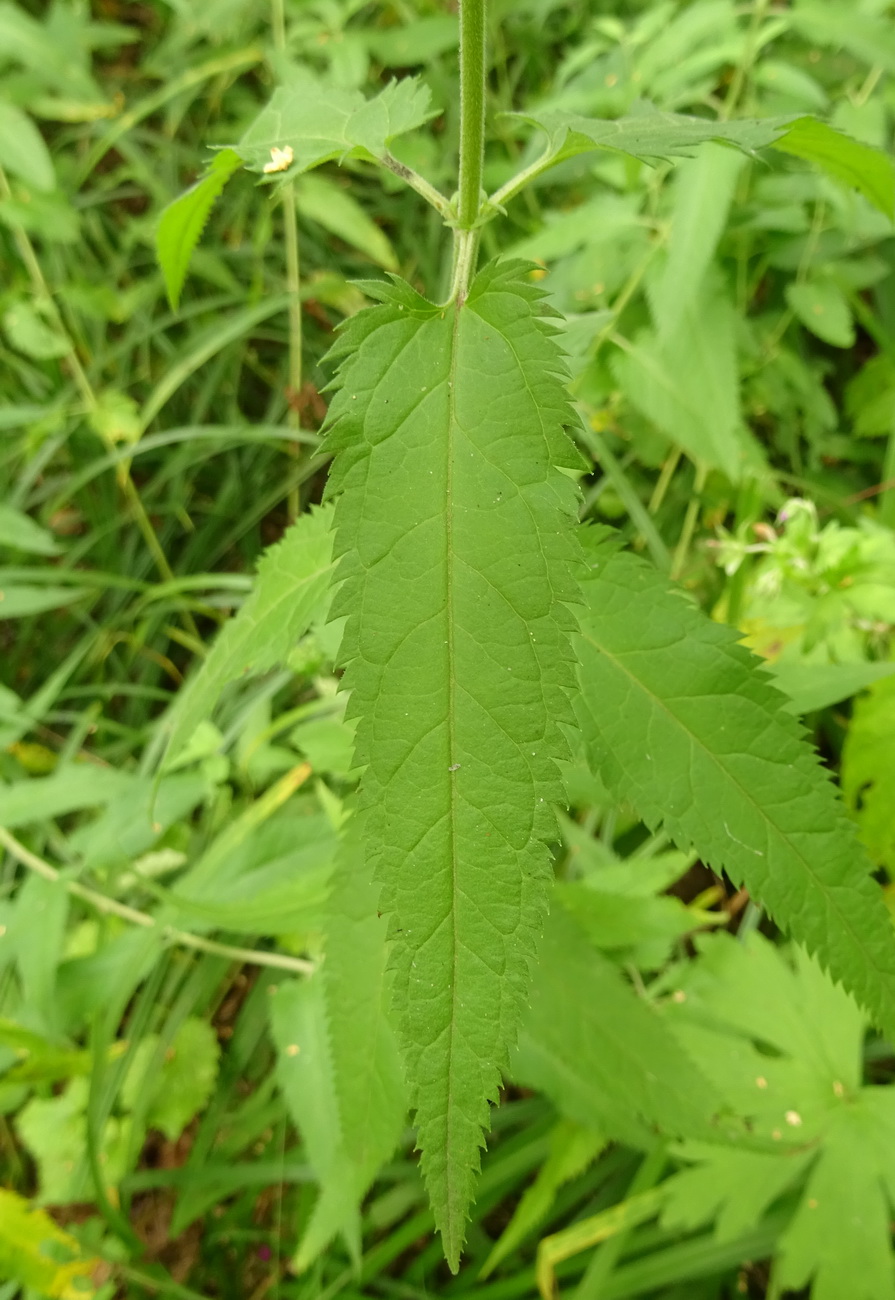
(472, 142)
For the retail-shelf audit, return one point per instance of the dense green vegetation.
(254, 947)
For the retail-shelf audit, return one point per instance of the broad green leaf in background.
(868, 770)
(687, 383)
(601, 1054)
(171, 1085)
(418, 41)
(331, 206)
(703, 192)
(456, 534)
(604, 1057)
(679, 721)
(54, 1130)
(783, 1046)
(318, 122)
(306, 1077)
(182, 222)
(291, 592)
(866, 35)
(817, 686)
(19, 532)
(20, 601)
(29, 331)
(823, 309)
(23, 151)
(343, 1083)
(38, 1254)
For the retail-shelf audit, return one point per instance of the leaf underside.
(456, 532)
(679, 721)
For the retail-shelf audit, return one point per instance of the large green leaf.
(290, 593)
(456, 534)
(681, 721)
(311, 121)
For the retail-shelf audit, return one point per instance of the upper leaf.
(456, 531)
(679, 720)
(290, 592)
(317, 122)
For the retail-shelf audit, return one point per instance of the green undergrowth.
(406, 891)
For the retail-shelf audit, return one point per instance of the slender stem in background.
(42, 294)
(686, 537)
(472, 143)
(111, 907)
(293, 285)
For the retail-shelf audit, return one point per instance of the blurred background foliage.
(731, 333)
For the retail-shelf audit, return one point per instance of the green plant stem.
(419, 183)
(111, 907)
(472, 110)
(293, 287)
(683, 546)
(472, 145)
(744, 67)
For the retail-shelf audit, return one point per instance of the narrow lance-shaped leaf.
(680, 721)
(182, 222)
(352, 1082)
(457, 534)
(291, 591)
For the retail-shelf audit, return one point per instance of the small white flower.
(280, 159)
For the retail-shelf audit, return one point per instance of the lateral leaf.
(318, 122)
(291, 591)
(458, 545)
(182, 222)
(652, 136)
(679, 721)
